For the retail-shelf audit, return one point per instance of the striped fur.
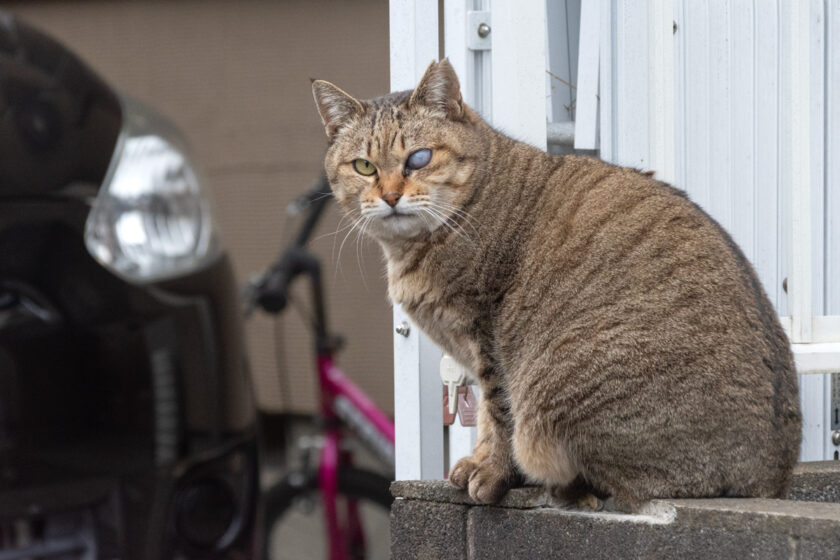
(619, 335)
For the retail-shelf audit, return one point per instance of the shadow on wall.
(235, 76)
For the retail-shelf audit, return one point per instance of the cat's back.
(614, 245)
(651, 320)
(627, 269)
(616, 234)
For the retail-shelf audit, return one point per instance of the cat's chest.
(430, 305)
(421, 298)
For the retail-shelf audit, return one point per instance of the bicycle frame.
(342, 402)
(335, 384)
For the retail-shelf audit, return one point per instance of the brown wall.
(234, 75)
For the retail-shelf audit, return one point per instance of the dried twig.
(559, 79)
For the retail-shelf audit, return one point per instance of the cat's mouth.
(398, 224)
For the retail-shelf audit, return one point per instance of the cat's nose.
(391, 198)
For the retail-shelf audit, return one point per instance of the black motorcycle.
(126, 417)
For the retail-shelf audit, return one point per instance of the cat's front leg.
(490, 472)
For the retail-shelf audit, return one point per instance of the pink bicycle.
(346, 492)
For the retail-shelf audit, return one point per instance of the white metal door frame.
(629, 101)
(418, 406)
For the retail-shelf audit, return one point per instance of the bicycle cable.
(304, 312)
(280, 363)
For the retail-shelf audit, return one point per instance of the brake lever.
(250, 293)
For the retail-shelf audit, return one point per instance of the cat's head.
(404, 163)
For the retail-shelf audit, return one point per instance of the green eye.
(364, 167)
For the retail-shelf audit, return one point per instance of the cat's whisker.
(448, 208)
(345, 216)
(438, 217)
(320, 196)
(356, 223)
(338, 229)
(455, 210)
(453, 207)
(359, 240)
(444, 220)
(435, 218)
(422, 216)
(442, 215)
(468, 220)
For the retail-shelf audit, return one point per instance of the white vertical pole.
(461, 438)
(812, 397)
(605, 82)
(661, 89)
(518, 67)
(586, 106)
(413, 40)
(482, 71)
(418, 412)
(455, 42)
(828, 413)
(797, 24)
(472, 66)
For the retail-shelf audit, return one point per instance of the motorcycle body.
(127, 425)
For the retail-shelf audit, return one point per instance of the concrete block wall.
(431, 519)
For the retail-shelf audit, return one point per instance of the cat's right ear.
(439, 90)
(336, 106)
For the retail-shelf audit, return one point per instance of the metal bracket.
(479, 30)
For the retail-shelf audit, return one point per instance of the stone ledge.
(429, 529)
(506, 534)
(441, 491)
(783, 517)
(812, 482)
(526, 525)
(816, 482)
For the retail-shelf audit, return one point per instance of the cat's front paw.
(486, 483)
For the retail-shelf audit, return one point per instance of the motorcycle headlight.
(150, 220)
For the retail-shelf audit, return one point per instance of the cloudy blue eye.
(418, 159)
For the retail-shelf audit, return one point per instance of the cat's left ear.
(439, 90)
(337, 107)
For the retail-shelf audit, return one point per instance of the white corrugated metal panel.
(756, 115)
(745, 78)
(636, 85)
(816, 75)
(765, 247)
(661, 80)
(832, 164)
(733, 130)
(629, 90)
(831, 178)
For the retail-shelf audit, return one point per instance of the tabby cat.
(622, 342)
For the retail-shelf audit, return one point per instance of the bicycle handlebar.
(270, 290)
(271, 294)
